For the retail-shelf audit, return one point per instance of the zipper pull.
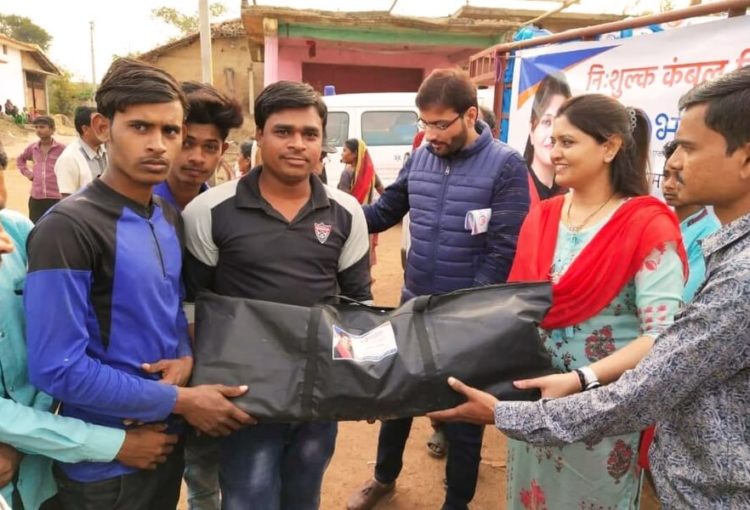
(447, 169)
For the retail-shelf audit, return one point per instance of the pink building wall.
(271, 58)
(292, 54)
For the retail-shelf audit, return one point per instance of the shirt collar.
(144, 211)
(726, 235)
(248, 191)
(55, 143)
(695, 217)
(164, 191)
(89, 151)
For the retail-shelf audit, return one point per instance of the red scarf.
(605, 265)
(364, 175)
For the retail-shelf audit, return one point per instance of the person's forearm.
(24, 169)
(59, 362)
(98, 388)
(497, 262)
(40, 432)
(610, 369)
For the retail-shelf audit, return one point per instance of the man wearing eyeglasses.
(467, 195)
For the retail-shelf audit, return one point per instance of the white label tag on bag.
(478, 220)
(373, 345)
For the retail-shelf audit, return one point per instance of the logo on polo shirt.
(322, 231)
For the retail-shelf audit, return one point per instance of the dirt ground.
(420, 485)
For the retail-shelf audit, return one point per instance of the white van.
(386, 121)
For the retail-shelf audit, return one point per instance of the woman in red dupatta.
(615, 258)
(359, 179)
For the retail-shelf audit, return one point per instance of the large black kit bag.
(298, 369)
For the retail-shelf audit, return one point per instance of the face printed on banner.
(541, 134)
(291, 142)
(578, 157)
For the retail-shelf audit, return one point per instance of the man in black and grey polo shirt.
(279, 234)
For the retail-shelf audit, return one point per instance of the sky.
(125, 26)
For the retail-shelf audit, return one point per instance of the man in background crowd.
(83, 160)
(43, 156)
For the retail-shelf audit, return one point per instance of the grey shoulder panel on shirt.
(198, 219)
(357, 243)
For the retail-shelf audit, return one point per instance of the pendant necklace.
(575, 229)
(574, 240)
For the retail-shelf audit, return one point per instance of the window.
(389, 128)
(337, 129)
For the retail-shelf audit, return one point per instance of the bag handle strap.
(311, 363)
(421, 304)
(334, 300)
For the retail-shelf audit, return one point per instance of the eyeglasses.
(440, 125)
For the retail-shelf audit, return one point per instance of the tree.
(130, 54)
(23, 29)
(185, 23)
(65, 94)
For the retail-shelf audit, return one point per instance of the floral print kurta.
(600, 475)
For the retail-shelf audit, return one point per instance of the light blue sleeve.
(18, 227)
(39, 432)
(697, 271)
(658, 290)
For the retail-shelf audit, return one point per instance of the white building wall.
(11, 78)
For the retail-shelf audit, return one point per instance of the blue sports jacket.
(103, 296)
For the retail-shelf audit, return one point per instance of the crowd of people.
(648, 328)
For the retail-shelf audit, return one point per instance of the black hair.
(728, 106)
(206, 105)
(129, 82)
(44, 120)
(352, 144)
(602, 117)
(82, 117)
(447, 88)
(246, 149)
(285, 95)
(668, 150)
(488, 116)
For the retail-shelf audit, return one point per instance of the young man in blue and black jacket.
(103, 299)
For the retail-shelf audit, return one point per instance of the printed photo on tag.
(372, 346)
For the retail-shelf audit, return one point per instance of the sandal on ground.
(437, 445)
